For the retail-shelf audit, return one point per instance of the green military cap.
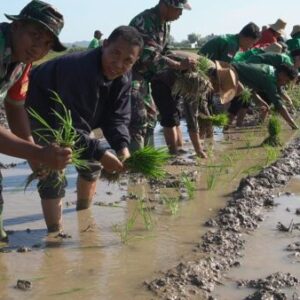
(44, 14)
(183, 4)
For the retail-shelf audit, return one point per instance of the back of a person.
(273, 59)
(222, 47)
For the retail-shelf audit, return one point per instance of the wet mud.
(221, 248)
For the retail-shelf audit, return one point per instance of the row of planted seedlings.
(215, 168)
(149, 162)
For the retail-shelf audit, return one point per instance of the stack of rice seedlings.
(64, 136)
(220, 120)
(274, 129)
(147, 161)
(194, 86)
(246, 95)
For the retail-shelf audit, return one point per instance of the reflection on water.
(93, 264)
(265, 249)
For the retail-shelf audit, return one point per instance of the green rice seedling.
(67, 292)
(172, 204)
(212, 174)
(203, 65)
(123, 230)
(246, 95)
(253, 170)
(148, 161)
(294, 92)
(145, 213)
(228, 160)
(189, 185)
(219, 120)
(64, 136)
(272, 154)
(274, 129)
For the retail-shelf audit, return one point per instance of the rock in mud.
(23, 285)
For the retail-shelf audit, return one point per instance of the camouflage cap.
(183, 4)
(45, 14)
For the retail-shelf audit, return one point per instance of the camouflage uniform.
(14, 75)
(152, 61)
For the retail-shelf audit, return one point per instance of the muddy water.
(93, 263)
(266, 249)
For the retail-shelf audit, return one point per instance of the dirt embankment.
(221, 247)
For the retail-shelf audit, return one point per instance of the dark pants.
(167, 104)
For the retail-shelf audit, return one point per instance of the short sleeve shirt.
(221, 48)
(262, 79)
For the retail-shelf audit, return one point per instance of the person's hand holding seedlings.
(55, 157)
(111, 163)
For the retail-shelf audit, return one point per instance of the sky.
(206, 17)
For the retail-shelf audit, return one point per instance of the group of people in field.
(123, 85)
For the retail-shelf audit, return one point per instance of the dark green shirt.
(293, 43)
(262, 79)
(273, 59)
(223, 47)
(243, 56)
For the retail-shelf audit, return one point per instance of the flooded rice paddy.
(93, 263)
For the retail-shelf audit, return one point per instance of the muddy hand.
(55, 157)
(188, 64)
(111, 163)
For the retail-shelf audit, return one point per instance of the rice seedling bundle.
(65, 136)
(246, 95)
(148, 161)
(219, 120)
(274, 129)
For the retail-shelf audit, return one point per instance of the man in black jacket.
(95, 86)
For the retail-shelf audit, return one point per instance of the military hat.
(183, 4)
(44, 14)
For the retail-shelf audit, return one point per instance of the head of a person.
(249, 35)
(296, 31)
(278, 28)
(295, 54)
(97, 34)
(286, 74)
(35, 31)
(224, 81)
(171, 10)
(120, 51)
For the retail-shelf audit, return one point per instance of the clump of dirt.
(222, 246)
(269, 288)
(23, 285)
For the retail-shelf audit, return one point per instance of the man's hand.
(188, 64)
(55, 157)
(111, 163)
(123, 154)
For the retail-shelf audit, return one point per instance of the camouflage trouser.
(143, 114)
